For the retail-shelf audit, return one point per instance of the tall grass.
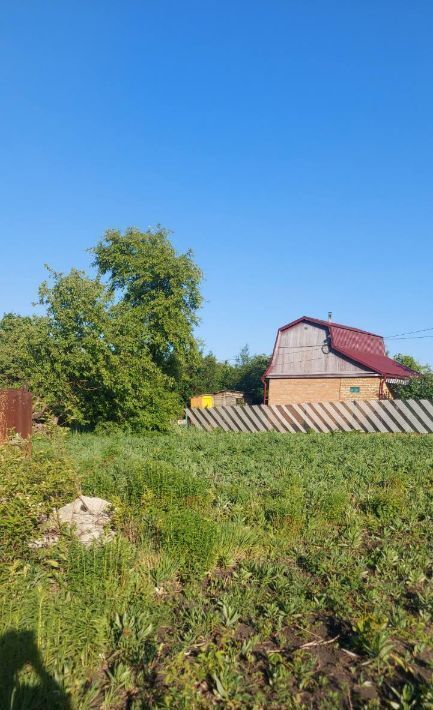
(231, 552)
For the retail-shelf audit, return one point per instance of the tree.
(207, 374)
(80, 348)
(211, 375)
(409, 361)
(99, 354)
(161, 289)
(247, 374)
(114, 351)
(24, 356)
(418, 387)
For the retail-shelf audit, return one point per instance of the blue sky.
(289, 144)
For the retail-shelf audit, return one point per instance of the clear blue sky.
(289, 144)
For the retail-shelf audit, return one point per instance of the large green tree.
(159, 287)
(114, 349)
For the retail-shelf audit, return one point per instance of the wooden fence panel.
(385, 416)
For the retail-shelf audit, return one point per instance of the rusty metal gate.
(15, 413)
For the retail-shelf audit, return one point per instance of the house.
(316, 360)
(224, 398)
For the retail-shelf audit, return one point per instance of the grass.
(268, 570)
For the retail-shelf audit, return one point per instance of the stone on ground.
(86, 516)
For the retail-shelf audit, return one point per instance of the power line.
(304, 348)
(296, 362)
(301, 347)
(410, 332)
(414, 337)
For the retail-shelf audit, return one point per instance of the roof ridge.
(329, 324)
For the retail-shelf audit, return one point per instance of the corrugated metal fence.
(411, 416)
(15, 413)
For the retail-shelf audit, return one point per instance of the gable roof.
(360, 346)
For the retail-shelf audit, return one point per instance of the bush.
(30, 487)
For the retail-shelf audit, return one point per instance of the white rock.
(86, 516)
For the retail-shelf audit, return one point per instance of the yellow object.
(202, 401)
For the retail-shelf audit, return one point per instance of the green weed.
(253, 571)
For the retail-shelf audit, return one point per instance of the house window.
(355, 389)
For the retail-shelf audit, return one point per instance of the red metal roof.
(360, 346)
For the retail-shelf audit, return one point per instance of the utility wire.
(410, 332)
(414, 337)
(304, 348)
(301, 347)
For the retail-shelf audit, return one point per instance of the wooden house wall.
(303, 350)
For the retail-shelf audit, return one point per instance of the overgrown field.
(247, 571)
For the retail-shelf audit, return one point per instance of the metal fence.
(410, 416)
(15, 413)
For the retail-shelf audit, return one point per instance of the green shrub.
(30, 487)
